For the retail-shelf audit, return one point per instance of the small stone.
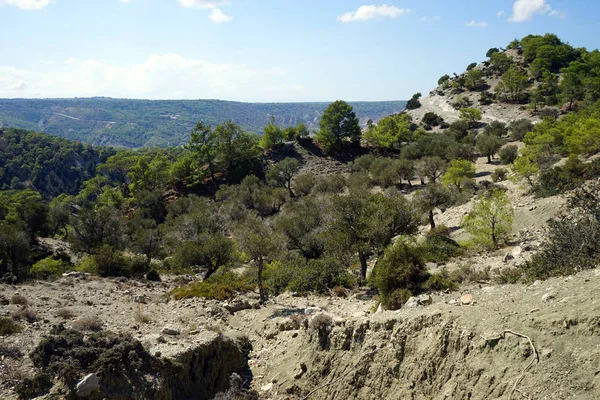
(548, 297)
(379, 309)
(267, 387)
(169, 330)
(466, 299)
(194, 332)
(534, 310)
(454, 302)
(87, 385)
(299, 373)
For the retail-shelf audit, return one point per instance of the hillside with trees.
(151, 123)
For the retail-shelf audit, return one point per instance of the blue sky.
(264, 50)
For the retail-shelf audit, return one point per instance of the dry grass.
(142, 318)
(92, 324)
(19, 300)
(10, 351)
(8, 327)
(26, 314)
(64, 313)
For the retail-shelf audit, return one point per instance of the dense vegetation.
(231, 198)
(150, 123)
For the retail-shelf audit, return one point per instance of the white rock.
(548, 297)
(466, 299)
(87, 385)
(312, 310)
(169, 330)
(379, 309)
(267, 387)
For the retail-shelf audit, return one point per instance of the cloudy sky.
(263, 50)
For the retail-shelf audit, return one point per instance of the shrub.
(19, 300)
(220, 286)
(414, 102)
(508, 154)
(471, 66)
(443, 79)
(87, 264)
(399, 274)
(438, 283)
(48, 268)
(10, 351)
(153, 276)
(91, 324)
(303, 276)
(110, 262)
(486, 98)
(439, 248)
(499, 174)
(26, 314)
(432, 119)
(519, 128)
(304, 183)
(8, 326)
(363, 163)
(321, 325)
(31, 388)
(65, 313)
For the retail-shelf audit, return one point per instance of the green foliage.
(272, 135)
(338, 122)
(391, 131)
(496, 128)
(459, 172)
(48, 268)
(501, 62)
(526, 168)
(9, 327)
(470, 115)
(508, 154)
(218, 287)
(471, 66)
(490, 220)
(438, 246)
(474, 79)
(297, 132)
(432, 119)
(304, 183)
(491, 52)
(443, 79)
(488, 145)
(414, 102)
(110, 262)
(400, 274)
(499, 175)
(93, 228)
(433, 196)
(512, 85)
(519, 128)
(163, 123)
(47, 164)
(573, 241)
(282, 173)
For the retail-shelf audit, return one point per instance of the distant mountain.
(138, 123)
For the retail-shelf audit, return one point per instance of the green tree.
(571, 88)
(237, 152)
(458, 172)
(431, 167)
(474, 79)
(338, 123)
(488, 145)
(491, 52)
(431, 197)
(414, 102)
(490, 220)
(509, 154)
(259, 242)
(519, 128)
(501, 62)
(443, 79)
(470, 115)
(525, 167)
(203, 147)
(282, 173)
(512, 85)
(92, 228)
(390, 131)
(272, 135)
(496, 128)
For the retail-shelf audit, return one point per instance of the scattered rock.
(422, 300)
(507, 258)
(466, 299)
(169, 330)
(548, 297)
(237, 305)
(73, 274)
(379, 309)
(454, 302)
(298, 373)
(87, 385)
(312, 310)
(267, 387)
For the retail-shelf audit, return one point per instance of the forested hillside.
(150, 123)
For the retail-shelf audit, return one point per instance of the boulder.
(466, 299)
(417, 301)
(237, 305)
(169, 330)
(312, 310)
(87, 385)
(548, 297)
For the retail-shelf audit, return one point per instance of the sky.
(264, 50)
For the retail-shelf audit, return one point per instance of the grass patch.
(25, 314)
(8, 326)
(217, 287)
(91, 324)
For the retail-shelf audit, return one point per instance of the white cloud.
(158, 77)
(556, 13)
(204, 3)
(365, 13)
(525, 10)
(125, 1)
(430, 19)
(476, 24)
(500, 13)
(26, 4)
(218, 17)
(20, 85)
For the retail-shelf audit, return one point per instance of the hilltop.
(148, 123)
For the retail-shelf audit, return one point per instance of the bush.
(19, 299)
(220, 286)
(90, 324)
(486, 98)
(363, 163)
(304, 276)
(549, 112)
(25, 314)
(432, 119)
(153, 276)
(10, 351)
(304, 183)
(471, 66)
(48, 268)
(438, 283)
(519, 128)
(508, 154)
(399, 274)
(439, 248)
(8, 326)
(499, 174)
(65, 313)
(110, 262)
(34, 387)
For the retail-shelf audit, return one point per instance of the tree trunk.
(261, 289)
(431, 221)
(489, 158)
(363, 266)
